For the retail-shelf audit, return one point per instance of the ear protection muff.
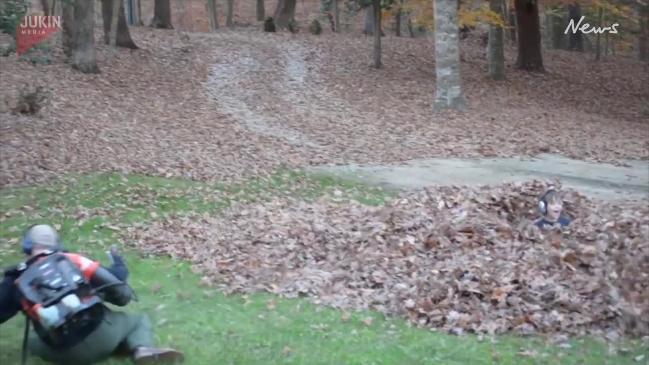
(26, 242)
(543, 204)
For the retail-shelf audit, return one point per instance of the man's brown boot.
(152, 355)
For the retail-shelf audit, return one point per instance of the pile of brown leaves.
(456, 258)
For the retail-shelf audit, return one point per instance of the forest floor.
(258, 100)
(205, 112)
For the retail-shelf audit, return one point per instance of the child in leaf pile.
(551, 209)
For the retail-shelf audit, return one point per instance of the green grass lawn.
(211, 328)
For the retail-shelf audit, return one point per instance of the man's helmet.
(42, 235)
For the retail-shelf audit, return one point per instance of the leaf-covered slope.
(454, 258)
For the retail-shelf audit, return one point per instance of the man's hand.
(114, 256)
(118, 266)
(9, 298)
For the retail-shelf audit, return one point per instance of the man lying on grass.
(62, 294)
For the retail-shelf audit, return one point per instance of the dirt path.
(244, 85)
(293, 100)
(598, 180)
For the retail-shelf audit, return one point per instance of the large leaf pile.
(462, 259)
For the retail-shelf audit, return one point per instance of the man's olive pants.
(125, 331)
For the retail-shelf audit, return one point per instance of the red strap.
(85, 265)
(30, 309)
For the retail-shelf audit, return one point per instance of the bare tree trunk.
(284, 13)
(575, 39)
(643, 37)
(212, 14)
(598, 48)
(112, 21)
(410, 30)
(368, 27)
(57, 7)
(558, 29)
(54, 8)
(67, 26)
(506, 20)
(46, 7)
(496, 47)
(161, 14)
(529, 36)
(229, 20)
(397, 23)
(261, 10)
(376, 8)
(448, 90)
(51, 7)
(116, 30)
(370, 21)
(513, 25)
(138, 11)
(133, 12)
(79, 34)
(546, 29)
(336, 16)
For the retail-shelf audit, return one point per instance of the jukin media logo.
(34, 29)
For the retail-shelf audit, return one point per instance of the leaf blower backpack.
(58, 298)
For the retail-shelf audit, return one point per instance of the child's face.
(555, 207)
